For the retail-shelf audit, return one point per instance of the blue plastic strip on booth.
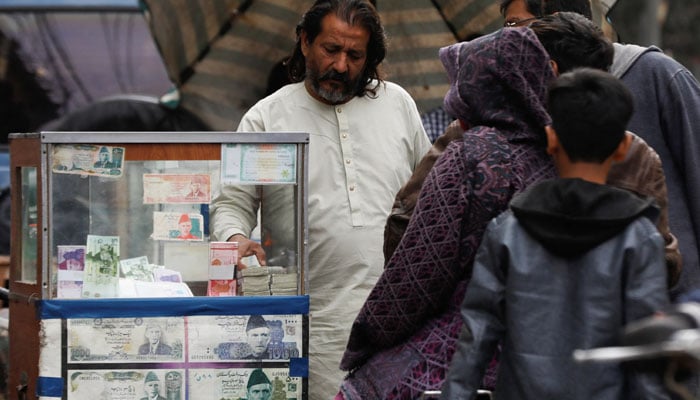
(172, 307)
(49, 387)
(299, 367)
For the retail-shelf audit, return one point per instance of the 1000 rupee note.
(118, 340)
(223, 338)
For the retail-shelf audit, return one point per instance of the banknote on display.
(101, 277)
(166, 275)
(88, 159)
(221, 287)
(223, 257)
(176, 188)
(137, 268)
(232, 383)
(126, 384)
(177, 226)
(120, 340)
(223, 338)
(71, 267)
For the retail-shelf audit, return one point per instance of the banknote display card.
(126, 340)
(269, 163)
(126, 384)
(216, 384)
(176, 188)
(177, 226)
(227, 337)
(101, 277)
(87, 159)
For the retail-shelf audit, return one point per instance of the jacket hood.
(626, 55)
(499, 80)
(571, 216)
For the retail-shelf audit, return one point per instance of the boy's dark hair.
(533, 6)
(573, 41)
(582, 7)
(590, 110)
(355, 13)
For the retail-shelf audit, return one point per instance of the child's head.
(590, 110)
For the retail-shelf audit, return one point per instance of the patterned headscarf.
(498, 79)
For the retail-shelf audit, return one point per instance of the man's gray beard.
(332, 97)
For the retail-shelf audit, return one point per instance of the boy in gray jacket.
(568, 265)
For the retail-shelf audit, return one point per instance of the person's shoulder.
(390, 88)
(282, 94)
(501, 226)
(279, 102)
(647, 58)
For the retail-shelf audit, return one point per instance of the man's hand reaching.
(247, 247)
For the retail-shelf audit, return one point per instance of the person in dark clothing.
(571, 41)
(568, 250)
(569, 38)
(667, 117)
(410, 322)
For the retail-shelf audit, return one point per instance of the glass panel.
(29, 216)
(149, 206)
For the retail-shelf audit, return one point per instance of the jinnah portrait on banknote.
(154, 343)
(258, 337)
(151, 387)
(259, 386)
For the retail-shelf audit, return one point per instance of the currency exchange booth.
(117, 290)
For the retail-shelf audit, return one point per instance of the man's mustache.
(336, 76)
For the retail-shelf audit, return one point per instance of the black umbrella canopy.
(219, 52)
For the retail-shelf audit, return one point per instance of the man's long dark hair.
(355, 13)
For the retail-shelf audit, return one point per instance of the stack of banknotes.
(283, 284)
(266, 281)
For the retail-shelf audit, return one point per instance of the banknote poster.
(244, 337)
(126, 384)
(87, 159)
(101, 277)
(243, 383)
(126, 340)
(269, 163)
(176, 188)
(177, 226)
(71, 266)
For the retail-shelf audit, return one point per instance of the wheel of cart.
(669, 341)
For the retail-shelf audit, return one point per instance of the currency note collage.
(193, 357)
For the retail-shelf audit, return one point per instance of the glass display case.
(114, 243)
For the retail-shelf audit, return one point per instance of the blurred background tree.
(670, 24)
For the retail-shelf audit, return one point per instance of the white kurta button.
(339, 110)
(345, 135)
(352, 188)
(347, 161)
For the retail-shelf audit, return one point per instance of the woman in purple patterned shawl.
(404, 337)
